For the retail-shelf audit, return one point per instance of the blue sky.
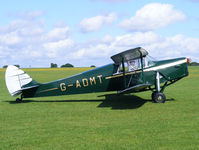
(37, 33)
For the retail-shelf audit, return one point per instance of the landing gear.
(19, 100)
(152, 95)
(158, 97)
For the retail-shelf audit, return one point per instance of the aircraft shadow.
(113, 101)
(123, 101)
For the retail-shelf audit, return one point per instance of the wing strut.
(124, 77)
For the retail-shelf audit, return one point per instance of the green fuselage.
(108, 78)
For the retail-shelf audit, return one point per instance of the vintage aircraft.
(132, 71)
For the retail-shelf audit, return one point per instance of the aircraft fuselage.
(107, 78)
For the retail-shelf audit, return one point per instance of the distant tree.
(194, 64)
(92, 66)
(67, 65)
(5, 66)
(17, 66)
(52, 65)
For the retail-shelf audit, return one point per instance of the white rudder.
(16, 79)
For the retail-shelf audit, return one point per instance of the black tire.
(18, 100)
(159, 97)
(152, 95)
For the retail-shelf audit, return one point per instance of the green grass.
(90, 122)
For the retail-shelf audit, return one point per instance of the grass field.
(113, 122)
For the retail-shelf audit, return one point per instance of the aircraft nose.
(188, 60)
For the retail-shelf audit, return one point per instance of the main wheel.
(152, 95)
(158, 97)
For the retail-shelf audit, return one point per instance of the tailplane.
(17, 80)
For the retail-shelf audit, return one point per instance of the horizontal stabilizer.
(134, 88)
(17, 80)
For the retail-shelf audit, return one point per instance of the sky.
(88, 32)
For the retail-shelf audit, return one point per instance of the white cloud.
(153, 16)
(26, 41)
(10, 39)
(107, 39)
(58, 44)
(21, 25)
(95, 23)
(31, 32)
(28, 14)
(53, 49)
(158, 46)
(138, 38)
(58, 33)
(36, 54)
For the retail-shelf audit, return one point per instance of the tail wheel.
(19, 100)
(158, 97)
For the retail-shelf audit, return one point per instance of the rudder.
(17, 80)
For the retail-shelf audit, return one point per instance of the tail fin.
(17, 80)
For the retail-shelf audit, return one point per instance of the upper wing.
(129, 55)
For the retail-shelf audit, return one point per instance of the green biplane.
(132, 71)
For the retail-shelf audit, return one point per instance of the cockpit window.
(120, 69)
(135, 64)
(148, 61)
(131, 65)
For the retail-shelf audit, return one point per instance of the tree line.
(53, 65)
(193, 64)
(67, 65)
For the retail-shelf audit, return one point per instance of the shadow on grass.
(113, 101)
(123, 101)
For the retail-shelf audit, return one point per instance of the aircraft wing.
(129, 55)
(134, 88)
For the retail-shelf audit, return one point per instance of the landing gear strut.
(158, 96)
(19, 100)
